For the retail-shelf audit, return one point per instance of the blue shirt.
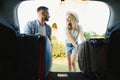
(33, 28)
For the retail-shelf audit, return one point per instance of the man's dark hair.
(42, 8)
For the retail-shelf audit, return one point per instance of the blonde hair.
(74, 21)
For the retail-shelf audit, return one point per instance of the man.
(39, 26)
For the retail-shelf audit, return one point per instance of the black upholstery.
(20, 54)
(7, 50)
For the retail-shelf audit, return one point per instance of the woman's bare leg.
(73, 61)
(69, 62)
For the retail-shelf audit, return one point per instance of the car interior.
(29, 57)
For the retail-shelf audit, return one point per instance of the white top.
(74, 34)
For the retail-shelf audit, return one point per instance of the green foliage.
(58, 48)
(89, 35)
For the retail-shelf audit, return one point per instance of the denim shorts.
(70, 49)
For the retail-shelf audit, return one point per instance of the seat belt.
(41, 68)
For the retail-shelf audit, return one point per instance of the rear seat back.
(20, 54)
(8, 51)
(113, 35)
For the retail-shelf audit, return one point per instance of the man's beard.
(46, 19)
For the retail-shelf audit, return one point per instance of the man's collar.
(38, 23)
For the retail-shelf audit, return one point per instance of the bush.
(58, 48)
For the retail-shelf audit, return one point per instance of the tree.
(87, 35)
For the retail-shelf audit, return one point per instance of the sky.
(93, 16)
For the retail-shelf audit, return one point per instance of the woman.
(72, 31)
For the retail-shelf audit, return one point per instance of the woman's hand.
(76, 46)
(71, 40)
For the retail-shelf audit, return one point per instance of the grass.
(60, 65)
(59, 68)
